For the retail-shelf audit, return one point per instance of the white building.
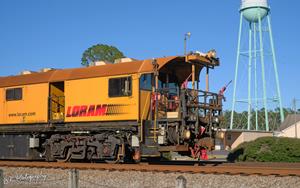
(230, 139)
(290, 127)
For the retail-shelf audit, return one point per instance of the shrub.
(268, 149)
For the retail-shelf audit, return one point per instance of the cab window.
(14, 94)
(120, 87)
(145, 82)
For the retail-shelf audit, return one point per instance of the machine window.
(120, 87)
(14, 94)
(145, 82)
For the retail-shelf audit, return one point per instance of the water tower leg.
(275, 69)
(236, 72)
(249, 77)
(263, 73)
(255, 77)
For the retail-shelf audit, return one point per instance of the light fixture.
(186, 36)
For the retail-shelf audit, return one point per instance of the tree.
(100, 52)
(240, 118)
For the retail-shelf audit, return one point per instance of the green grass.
(268, 149)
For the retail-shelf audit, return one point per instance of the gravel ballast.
(58, 178)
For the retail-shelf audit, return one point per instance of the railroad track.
(263, 169)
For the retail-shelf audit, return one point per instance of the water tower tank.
(254, 9)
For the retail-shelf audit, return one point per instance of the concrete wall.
(249, 136)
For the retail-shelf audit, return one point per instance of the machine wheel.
(119, 151)
(47, 154)
(112, 161)
(66, 159)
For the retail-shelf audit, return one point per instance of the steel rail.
(277, 169)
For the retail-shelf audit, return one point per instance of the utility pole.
(1, 179)
(181, 182)
(73, 178)
(295, 114)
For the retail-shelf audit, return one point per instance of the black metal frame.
(60, 107)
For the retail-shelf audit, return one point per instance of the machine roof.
(142, 66)
(290, 120)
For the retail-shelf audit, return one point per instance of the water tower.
(255, 14)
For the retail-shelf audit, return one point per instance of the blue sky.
(37, 33)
